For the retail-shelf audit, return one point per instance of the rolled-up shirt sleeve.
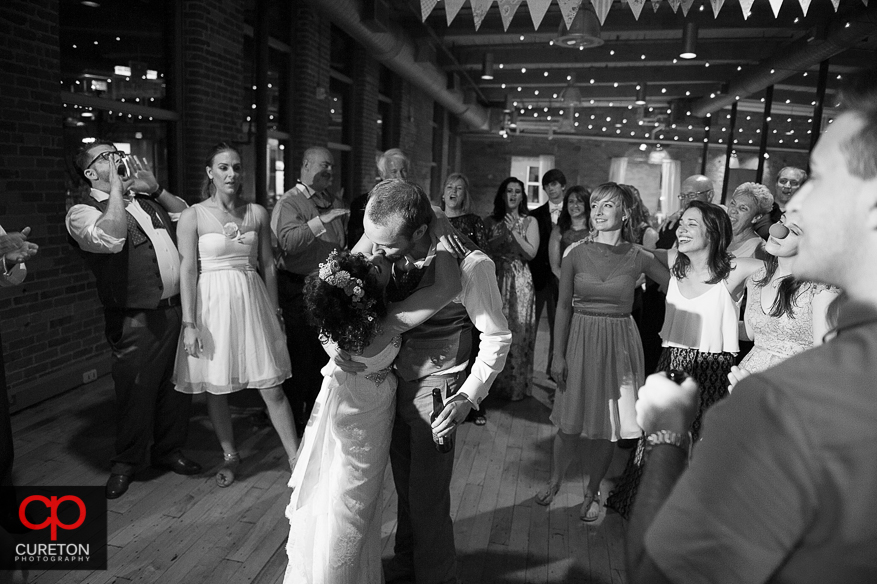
(82, 226)
(480, 296)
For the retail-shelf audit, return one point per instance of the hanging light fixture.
(689, 41)
(571, 96)
(487, 66)
(640, 94)
(584, 32)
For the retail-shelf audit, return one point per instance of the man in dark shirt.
(781, 488)
(391, 164)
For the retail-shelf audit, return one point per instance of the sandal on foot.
(546, 496)
(225, 476)
(589, 512)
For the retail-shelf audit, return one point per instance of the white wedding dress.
(334, 512)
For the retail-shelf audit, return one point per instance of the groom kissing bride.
(397, 312)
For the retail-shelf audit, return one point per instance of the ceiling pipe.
(843, 35)
(398, 52)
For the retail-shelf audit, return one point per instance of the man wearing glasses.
(129, 242)
(308, 223)
(695, 187)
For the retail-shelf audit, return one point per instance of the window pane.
(533, 193)
(116, 51)
(533, 174)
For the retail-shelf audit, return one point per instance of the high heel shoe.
(225, 475)
(545, 497)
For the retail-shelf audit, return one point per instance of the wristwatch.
(682, 441)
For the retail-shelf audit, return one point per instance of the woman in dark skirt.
(700, 324)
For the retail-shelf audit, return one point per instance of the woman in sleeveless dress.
(700, 323)
(514, 240)
(334, 511)
(232, 337)
(784, 316)
(598, 357)
(573, 224)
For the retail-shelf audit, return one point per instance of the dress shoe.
(117, 485)
(179, 464)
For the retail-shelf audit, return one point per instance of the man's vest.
(131, 277)
(440, 343)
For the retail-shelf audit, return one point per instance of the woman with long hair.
(514, 240)
(700, 334)
(573, 224)
(598, 357)
(232, 337)
(784, 315)
(457, 205)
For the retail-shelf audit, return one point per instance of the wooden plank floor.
(169, 528)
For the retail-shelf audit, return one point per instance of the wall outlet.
(89, 376)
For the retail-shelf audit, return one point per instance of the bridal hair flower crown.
(332, 274)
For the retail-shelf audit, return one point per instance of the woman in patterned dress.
(514, 239)
(798, 313)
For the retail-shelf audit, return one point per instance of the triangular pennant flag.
(746, 7)
(805, 6)
(538, 8)
(569, 9)
(865, 1)
(452, 7)
(636, 6)
(717, 6)
(656, 4)
(686, 4)
(775, 4)
(674, 4)
(507, 9)
(835, 2)
(426, 7)
(479, 10)
(601, 7)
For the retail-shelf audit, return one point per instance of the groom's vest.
(440, 343)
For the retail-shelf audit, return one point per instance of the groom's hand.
(453, 415)
(344, 361)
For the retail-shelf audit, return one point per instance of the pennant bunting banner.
(479, 10)
(775, 5)
(426, 7)
(717, 6)
(686, 4)
(507, 9)
(746, 7)
(835, 3)
(452, 7)
(636, 6)
(656, 4)
(805, 6)
(674, 4)
(537, 11)
(569, 9)
(601, 7)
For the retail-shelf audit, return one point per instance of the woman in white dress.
(232, 337)
(334, 515)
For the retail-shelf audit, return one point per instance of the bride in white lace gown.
(334, 515)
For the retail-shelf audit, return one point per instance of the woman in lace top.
(784, 316)
(457, 204)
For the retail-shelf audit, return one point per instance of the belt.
(168, 302)
(601, 314)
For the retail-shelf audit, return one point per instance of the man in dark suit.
(129, 242)
(544, 281)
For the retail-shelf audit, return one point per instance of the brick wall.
(365, 129)
(52, 324)
(213, 87)
(486, 162)
(415, 131)
(312, 42)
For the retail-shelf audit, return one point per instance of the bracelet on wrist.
(187, 324)
(157, 192)
(681, 441)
